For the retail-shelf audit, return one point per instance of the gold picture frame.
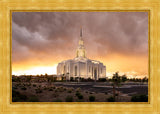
(150, 6)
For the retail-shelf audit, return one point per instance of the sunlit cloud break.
(37, 71)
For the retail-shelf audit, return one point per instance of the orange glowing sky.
(40, 40)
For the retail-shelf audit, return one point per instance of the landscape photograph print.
(80, 56)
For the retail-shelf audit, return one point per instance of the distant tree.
(82, 79)
(29, 78)
(144, 80)
(89, 80)
(111, 99)
(102, 79)
(77, 79)
(133, 79)
(71, 79)
(63, 78)
(138, 80)
(91, 98)
(54, 79)
(116, 82)
(49, 78)
(67, 75)
(124, 78)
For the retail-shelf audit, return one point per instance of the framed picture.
(79, 57)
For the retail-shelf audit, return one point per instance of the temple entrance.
(64, 68)
(75, 71)
(95, 73)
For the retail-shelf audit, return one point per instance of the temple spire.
(81, 49)
(81, 40)
(81, 32)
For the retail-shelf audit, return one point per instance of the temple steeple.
(81, 33)
(81, 50)
(81, 40)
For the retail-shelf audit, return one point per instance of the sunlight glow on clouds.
(37, 70)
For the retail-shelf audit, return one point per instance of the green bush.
(139, 98)
(50, 89)
(69, 91)
(33, 99)
(102, 79)
(71, 79)
(69, 99)
(91, 98)
(77, 93)
(17, 97)
(53, 87)
(78, 89)
(23, 88)
(34, 85)
(116, 94)
(38, 90)
(111, 99)
(80, 96)
(57, 100)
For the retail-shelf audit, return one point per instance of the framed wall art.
(79, 57)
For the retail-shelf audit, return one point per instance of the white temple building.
(81, 66)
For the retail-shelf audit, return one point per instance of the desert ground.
(75, 91)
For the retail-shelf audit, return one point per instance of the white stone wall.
(84, 69)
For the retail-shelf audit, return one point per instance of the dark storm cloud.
(43, 34)
(124, 33)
